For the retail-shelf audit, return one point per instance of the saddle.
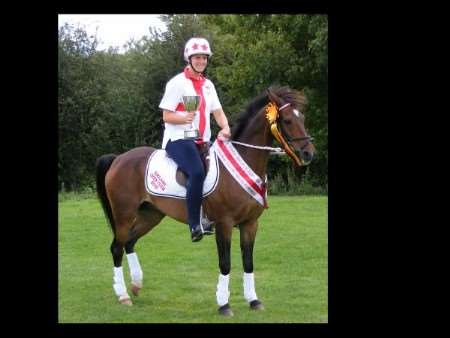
(162, 177)
(203, 150)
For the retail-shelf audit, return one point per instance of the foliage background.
(108, 102)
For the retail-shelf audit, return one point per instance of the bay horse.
(132, 211)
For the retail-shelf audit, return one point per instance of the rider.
(184, 151)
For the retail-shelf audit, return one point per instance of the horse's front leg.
(248, 234)
(223, 241)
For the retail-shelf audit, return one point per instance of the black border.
(43, 128)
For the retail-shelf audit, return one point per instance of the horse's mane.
(295, 98)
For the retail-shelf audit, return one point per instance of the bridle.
(289, 139)
(272, 115)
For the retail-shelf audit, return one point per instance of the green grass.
(180, 277)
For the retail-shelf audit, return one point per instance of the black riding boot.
(197, 232)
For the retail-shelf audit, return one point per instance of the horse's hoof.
(225, 310)
(256, 305)
(135, 289)
(126, 301)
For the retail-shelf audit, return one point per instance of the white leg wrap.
(222, 293)
(249, 287)
(119, 284)
(135, 269)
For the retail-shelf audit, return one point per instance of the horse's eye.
(287, 121)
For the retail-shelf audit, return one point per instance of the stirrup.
(208, 229)
(196, 234)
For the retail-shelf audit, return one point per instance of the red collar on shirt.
(198, 82)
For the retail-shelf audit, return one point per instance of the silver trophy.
(191, 103)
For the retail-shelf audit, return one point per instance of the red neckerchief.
(198, 84)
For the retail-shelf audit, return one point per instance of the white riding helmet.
(196, 46)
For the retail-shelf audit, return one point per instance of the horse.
(132, 211)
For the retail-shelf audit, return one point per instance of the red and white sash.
(241, 172)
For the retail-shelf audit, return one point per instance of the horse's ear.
(273, 97)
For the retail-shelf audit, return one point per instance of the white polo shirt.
(176, 88)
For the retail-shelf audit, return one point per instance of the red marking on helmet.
(194, 46)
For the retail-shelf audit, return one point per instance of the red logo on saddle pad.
(157, 181)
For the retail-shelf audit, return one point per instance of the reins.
(275, 150)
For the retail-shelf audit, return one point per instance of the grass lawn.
(180, 277)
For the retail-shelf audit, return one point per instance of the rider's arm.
(174, 118)
(222, 121)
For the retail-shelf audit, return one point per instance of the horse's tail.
(102, 166)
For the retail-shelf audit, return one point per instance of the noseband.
(273, 119)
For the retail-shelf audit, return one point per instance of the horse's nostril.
(307, 156)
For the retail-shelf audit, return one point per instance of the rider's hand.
(190, 116)
(224, 134)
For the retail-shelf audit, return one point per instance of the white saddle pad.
(161, 172)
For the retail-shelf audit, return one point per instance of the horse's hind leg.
(135, 267)
(120, 289)
(124, 220)
(148, 217)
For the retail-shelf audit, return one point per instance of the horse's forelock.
(294, 97)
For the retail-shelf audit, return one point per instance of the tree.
(253, 52)
(108, 102)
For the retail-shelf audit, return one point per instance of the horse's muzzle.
(306, 156)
